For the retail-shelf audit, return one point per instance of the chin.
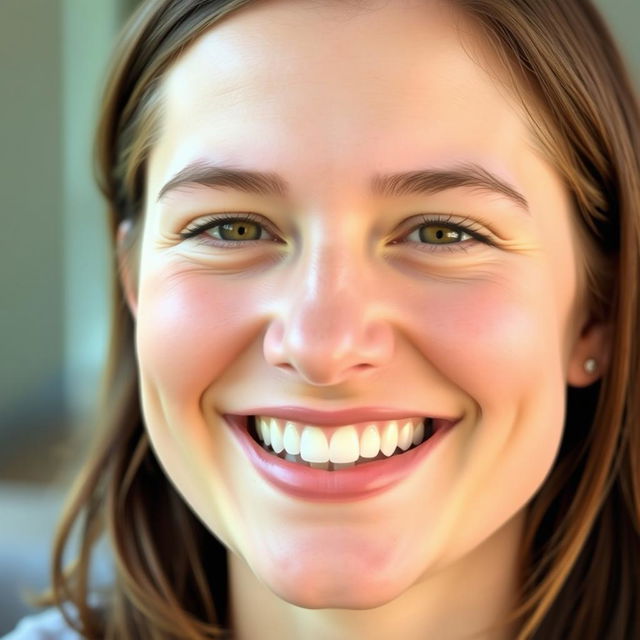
(330, 588)
(354, 597)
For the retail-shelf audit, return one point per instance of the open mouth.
(335, 448)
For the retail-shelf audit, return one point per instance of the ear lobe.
(590, 356)
(128, 279)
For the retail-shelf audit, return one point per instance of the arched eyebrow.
(416, 182)
(470, 175)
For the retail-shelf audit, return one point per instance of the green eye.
(441, 234)
(229, 230)
(242, 230)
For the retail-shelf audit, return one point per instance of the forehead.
(343, 81)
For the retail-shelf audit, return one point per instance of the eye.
(441, 234)
(227, 230)
(245, 230)
(445, 232)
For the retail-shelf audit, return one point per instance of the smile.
(340, 447)
(326, 480)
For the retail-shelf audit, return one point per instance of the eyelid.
(465, 224)
(198, 228)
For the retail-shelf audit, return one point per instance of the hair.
(580, 553)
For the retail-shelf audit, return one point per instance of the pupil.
(440, 234)
(235, 231)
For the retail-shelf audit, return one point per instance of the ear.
(128, 278)
(593, 344)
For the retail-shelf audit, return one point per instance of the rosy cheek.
(485, 336)
(190, 328)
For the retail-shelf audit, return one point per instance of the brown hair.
(580, 555)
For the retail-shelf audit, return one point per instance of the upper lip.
(340, 417)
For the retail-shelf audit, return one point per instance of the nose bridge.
(330, 325)
(334, 292)
(332, 270)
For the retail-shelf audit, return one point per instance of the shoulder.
(48, 625)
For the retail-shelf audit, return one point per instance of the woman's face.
(454, 297)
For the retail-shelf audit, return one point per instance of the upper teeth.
(339, 444)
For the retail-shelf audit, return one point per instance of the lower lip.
(355, 483)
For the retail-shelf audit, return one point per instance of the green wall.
(32, 297)
(624, 18)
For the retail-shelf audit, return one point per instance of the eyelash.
(464, 225)
(198, 228)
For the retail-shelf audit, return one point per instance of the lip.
(354, 483)
(340, 418)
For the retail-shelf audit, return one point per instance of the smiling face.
(458, 299)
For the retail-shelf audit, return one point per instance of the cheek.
(190, 328)
(490, 336)
(499, 345)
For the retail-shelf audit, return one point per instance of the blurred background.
(54, 288)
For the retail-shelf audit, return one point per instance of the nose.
(330, 324)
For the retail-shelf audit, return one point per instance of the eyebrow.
(416, 182)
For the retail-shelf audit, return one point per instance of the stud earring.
(590, 365)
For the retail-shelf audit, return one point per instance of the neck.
(462, 601)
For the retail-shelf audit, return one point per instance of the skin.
(337, 314)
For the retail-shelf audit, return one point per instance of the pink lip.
(355, 483)
(339, 418)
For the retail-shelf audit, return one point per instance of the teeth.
(277, 443)
(388, 440)
(344, 445)
(313, 445)
(265, 432)
(337, 465)
(418, 434)
(291, 439)
(405, 436)
(370, 442)
(340, 447)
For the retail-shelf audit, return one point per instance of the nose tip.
(327, 348)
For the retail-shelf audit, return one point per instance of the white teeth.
(297, 442)
(370, 442)
(389, 439)
(337, 465)
(313, 445)
(344, 446)
(405, 436)
(291, 439)
(265, 432)
(276, 437)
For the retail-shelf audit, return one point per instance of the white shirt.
(48, 625)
